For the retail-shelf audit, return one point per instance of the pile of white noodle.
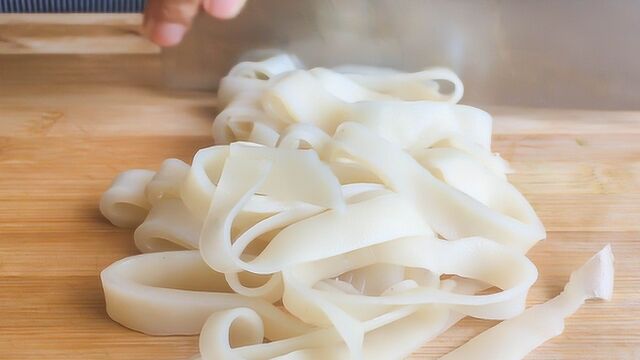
(351, 213)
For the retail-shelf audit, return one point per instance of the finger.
(166, 21)
(223, 9)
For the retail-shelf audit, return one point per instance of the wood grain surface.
(73, 34)
(70, 123)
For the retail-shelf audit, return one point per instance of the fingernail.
(224, 9)
(166, 34)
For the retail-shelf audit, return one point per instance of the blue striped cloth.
(71, 6)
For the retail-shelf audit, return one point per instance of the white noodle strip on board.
(325, 102)
(395, 334)
(125, 203)
(168, 226)
(325, 219)
(519, 228)
(409, 86)
(173, 293)
(514, 338)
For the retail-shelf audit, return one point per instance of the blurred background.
(538, 53)
(71, 6)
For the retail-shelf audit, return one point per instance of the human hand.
(166, 21)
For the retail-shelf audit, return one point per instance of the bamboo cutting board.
(70, 123)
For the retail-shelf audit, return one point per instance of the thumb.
(167, 21)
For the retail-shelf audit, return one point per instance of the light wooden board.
(73, 34)
(66, 131)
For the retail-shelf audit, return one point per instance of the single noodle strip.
(514, 338)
